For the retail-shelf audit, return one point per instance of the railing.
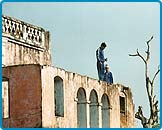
(22, 31)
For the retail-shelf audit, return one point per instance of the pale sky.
(77, 30)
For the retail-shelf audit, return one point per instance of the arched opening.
(5, 97)
(81, 109)
(94, 113)
(59, 96)
(123, 118)
(105, 111)
(122, 103)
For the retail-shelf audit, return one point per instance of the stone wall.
(71, 84)
(23, 43)
(24, 96)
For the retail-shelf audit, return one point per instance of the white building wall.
(71, 84)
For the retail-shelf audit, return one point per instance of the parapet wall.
(27, 33)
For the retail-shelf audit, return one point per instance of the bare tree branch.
(138, 54)
(152, 82)
(154, 98)
(133, 55)
(139, 115)
(148, 48)
(150, 39)
(156, 74)
(148, 52)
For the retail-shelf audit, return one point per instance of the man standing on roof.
(100, 61)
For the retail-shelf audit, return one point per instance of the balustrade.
(20, 30)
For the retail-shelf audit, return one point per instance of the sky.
(78, 28)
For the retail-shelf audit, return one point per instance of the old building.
(37, 94)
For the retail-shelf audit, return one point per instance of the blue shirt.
(108, 77)
(100, 55)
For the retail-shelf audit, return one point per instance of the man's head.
(103, 45)
(107, 68)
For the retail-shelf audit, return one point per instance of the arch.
(81, 108)
(5, 97)
(81, 94)
(94, 112)
(105, 111)
(59, 96)
(122, 99)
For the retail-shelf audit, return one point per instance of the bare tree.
(153, 104)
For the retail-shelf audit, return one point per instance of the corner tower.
(23, 43)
